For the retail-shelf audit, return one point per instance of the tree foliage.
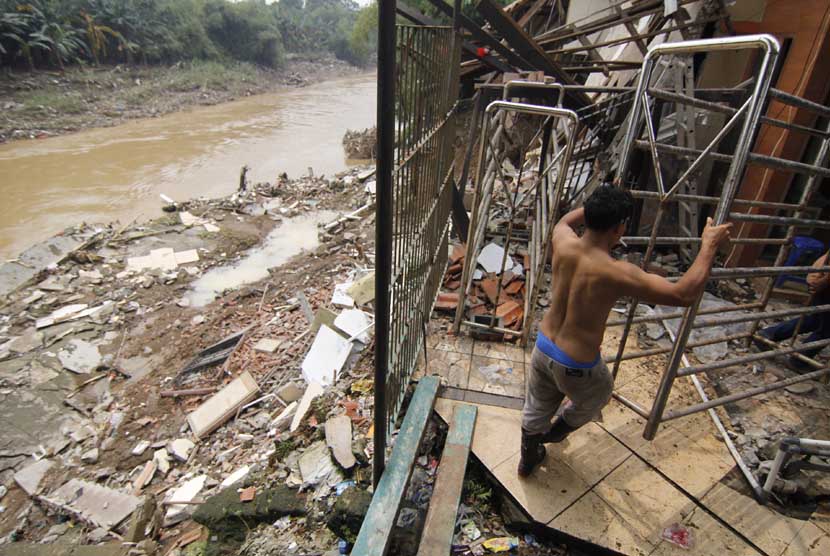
(54, 33)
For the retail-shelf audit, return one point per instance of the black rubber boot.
(533, 452)
(558, 431)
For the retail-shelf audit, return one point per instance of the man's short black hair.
(607, 207)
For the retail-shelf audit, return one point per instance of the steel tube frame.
(769, 51)
(677, 413)
(661, 351)
(483, 193)
(751, 358)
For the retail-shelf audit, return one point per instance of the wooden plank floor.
(605, 483)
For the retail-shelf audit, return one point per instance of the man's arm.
(651, 288)
(567, 225)
(818, 281)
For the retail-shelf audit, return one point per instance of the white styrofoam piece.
(325, 359)
(340, 296)
(355, 323)
(491, 256)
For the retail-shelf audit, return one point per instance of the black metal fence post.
(383, 222)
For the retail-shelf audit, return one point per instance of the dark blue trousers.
(818, 324)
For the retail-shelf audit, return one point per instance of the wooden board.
(373, 539)
(222, 405)
(443, 507)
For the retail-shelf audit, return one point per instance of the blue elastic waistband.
(550, 349)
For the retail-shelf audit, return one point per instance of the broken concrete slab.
(140, 448)
(90, 456)
(491, 256)
(340, 296)
(362, 291)
(290, 392)
(181, 448)
(34, 260)
(180, 507)
(314, 389)
(326, 357)
(29, 340)
(236, 476)
(267, 345)
(93, 504)
(323, 316)
(339, 439)
(162, 459)
(63, 549)
(164, 259)
(347, 515)
(80, 357)
(221, 406)
(30, 477)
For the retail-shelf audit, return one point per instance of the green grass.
(211, 75)
(59, 101)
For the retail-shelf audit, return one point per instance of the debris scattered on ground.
(360, 145)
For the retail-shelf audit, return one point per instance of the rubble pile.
(153, 416)
(173, 396)
(360, 145)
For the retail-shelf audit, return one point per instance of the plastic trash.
(501, 544)
(678, 535)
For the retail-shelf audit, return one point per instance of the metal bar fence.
(416, 117)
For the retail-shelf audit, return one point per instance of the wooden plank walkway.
(439, 527)
(373, 539)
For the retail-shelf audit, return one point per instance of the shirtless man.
(587, 282)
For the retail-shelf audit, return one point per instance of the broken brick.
(510, 313)
(453, 285)
(446, 302)
(490, 287)
(514, 287)
(455, 269)
(507, 277)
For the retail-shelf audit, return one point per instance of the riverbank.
(42, 104)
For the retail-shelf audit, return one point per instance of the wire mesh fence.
(426, 86)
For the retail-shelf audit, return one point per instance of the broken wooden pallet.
(439, 527)
(373, 539)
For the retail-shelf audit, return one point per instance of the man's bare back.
(586, 282)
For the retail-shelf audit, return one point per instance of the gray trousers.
(548, 382)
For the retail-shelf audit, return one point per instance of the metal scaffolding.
(529, 210)
(744, 120)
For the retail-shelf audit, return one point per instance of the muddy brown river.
(117, 173)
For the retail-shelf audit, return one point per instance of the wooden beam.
(484, 37)
(439, 526)
(418, 18)
(529, 50)
(373, 538)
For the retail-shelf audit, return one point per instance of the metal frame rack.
(744, 120)
(557, 136)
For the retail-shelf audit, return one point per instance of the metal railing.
(417, 92)
(555, 139)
